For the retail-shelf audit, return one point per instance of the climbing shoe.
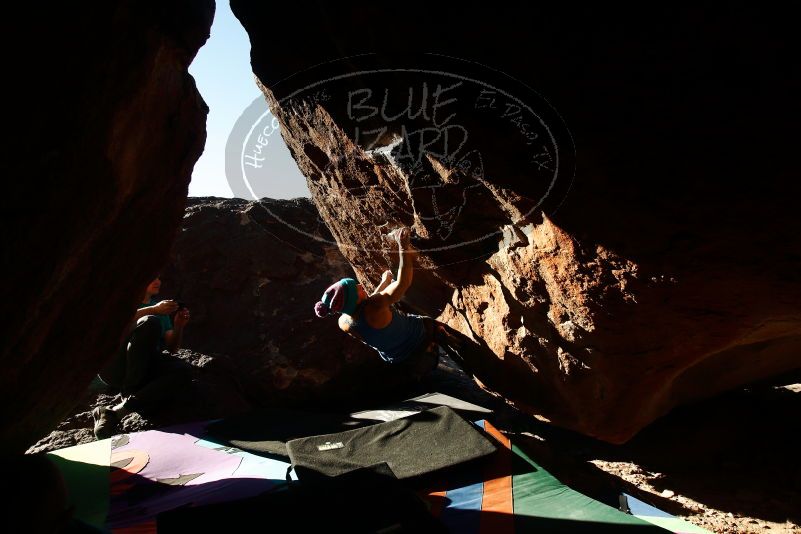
(106, 422)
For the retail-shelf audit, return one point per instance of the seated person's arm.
(141, 312)
(165, 307)
(173, 338)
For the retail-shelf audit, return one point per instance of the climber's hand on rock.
(402, 236)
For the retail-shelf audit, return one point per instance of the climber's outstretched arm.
(395, 290)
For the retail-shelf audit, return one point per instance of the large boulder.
(643, 257)
(106, 126)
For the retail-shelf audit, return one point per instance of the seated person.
(139, 369)
(399, 338)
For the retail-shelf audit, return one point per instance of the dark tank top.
(398, 340)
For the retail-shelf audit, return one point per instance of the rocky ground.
(728, 464)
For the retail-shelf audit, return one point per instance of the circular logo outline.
(507, 94)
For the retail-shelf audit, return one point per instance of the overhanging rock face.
(613, 222)
(105, 129)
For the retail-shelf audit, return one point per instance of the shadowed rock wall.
(105, 126)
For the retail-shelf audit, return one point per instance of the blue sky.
(223, 75)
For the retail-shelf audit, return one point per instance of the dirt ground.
(728, 464)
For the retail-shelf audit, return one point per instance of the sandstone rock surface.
(662, 267)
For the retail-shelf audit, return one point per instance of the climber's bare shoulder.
(345, 321)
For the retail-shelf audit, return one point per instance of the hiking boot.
(106, 422)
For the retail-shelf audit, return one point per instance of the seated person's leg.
(169, 379)
(113, 374)
(141, 353)
(130, 371)
(130, 365)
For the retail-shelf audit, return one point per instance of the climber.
(401, 339)
(143, 374)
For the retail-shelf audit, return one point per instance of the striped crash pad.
(514, 494)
